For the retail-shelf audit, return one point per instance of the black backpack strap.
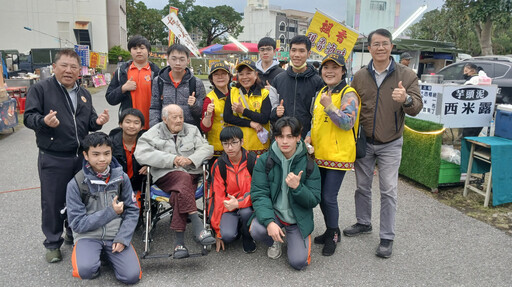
(85, 194)
(269, 164)
(310, 167)
(251, 161)
(222, 169)
(192, 85)
(160, 89)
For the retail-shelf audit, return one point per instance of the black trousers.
(54, 174)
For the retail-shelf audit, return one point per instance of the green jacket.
(266, 187)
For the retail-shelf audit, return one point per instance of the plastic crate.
(449, 172)
(504, 122)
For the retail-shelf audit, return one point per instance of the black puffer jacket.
(297, 91)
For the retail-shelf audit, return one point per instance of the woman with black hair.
(472, 74)
(333, 131)
(248, 106)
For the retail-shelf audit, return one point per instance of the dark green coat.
(266, 187)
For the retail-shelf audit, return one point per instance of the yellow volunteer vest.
(218, 124)
(251, 141)
(335, 148)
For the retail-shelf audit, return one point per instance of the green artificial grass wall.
(421, 153)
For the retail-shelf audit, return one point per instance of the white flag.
(174, 24)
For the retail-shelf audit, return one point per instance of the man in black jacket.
(132, 81)
(297, 86)
(61, 114)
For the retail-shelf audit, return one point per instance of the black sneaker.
(385, 248)
(321, 238)
(248, 245)
(68, 239)
(332, 236)
(357, 229)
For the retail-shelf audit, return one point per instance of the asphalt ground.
(435, 245)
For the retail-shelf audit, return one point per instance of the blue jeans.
(230, 221)
(331, 183)
(299, 248)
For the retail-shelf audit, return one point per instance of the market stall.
(8, 115)
(444, 106)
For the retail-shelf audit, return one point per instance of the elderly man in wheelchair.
(175, 151)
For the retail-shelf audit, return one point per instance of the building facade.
(27, 24)
(264, 20)
(366, 15)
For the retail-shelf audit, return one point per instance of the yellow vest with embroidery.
(335, 148)
(251, 141)
(218, 124)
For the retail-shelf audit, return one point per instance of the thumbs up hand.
(238, 107)
(293, 180)
(191, 99)
(280, 109)
(130, 85)
(325, 99)
(399, 94)
(231, 204)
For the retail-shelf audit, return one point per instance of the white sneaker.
(274, 251)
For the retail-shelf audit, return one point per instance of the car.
(499, 68)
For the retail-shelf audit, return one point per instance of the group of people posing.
(279, 143)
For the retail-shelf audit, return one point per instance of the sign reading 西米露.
(174, 24)
(458, 106)
(328, 36)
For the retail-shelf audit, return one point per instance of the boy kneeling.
(285, 189)
(102, 214)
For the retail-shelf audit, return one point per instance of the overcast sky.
(336, 11)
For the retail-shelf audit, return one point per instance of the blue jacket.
(97, 219)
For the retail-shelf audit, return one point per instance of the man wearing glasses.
(388, 91)
(268, 66)
(61, 114)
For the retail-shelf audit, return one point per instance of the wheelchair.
(157, 207)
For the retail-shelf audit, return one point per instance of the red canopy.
(253, 47)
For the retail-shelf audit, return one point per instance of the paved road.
(435, 245)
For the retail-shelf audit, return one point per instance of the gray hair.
(165, 110)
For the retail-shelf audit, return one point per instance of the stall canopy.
(414, 45)
(211, 49)
(253, 47)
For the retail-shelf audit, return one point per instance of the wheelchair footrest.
(166, 255)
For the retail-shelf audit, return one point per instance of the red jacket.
(238, 184)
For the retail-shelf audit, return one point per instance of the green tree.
(439, 25)
(211, 22)
(485, 15)
(146, 22)
(217, 21)
(117, 51)
(447, 24)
